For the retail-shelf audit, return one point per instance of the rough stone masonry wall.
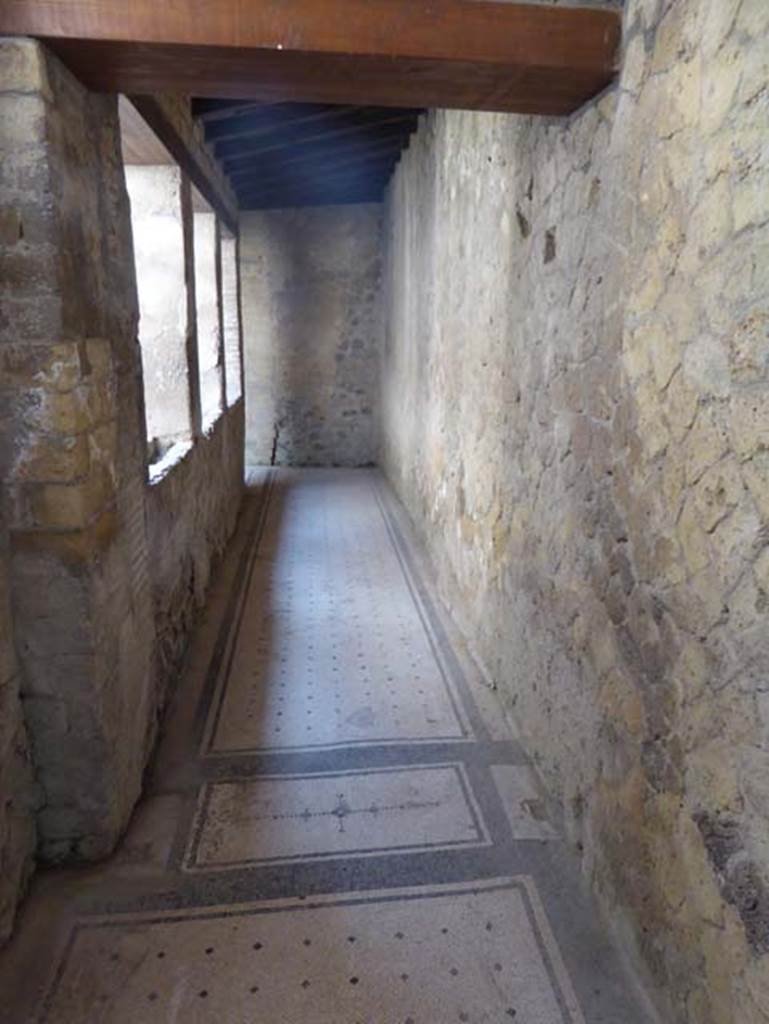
(576, 414)
(72, 453)
(312, 334)
(191, 514)
(17, 790)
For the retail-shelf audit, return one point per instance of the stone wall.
(103, 557)
(17, 791)
(312, 330)
(576, 414)
(191, 514)
(72, 446)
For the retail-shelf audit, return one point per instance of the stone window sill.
(159, 470)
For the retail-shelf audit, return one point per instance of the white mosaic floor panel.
(475, 953)
(248, 821)
(332, 649)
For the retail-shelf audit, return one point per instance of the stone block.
(22, 122)
(74, 411)
(750, 421)
(52, 366)
(22, 320)
(11, 228)
(706, 442)
(717, 493)
(706, 367)
(755, 473)
(46, 718)
(52, 459)
(67, 506)
(22, 67)
(33, 268)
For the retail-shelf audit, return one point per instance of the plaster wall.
(575, 408)
(231, 320)
(209, 324)
(158, 243)
(312, 334)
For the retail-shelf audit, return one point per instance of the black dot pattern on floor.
(423, 955)
(337, 651)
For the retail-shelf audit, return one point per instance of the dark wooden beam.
(153, 114)
(523, 57)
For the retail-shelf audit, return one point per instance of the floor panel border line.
(525, 885)
(229, 626)
(439, 641)
(482, 838)
(465, 713)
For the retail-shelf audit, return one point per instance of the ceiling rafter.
(283, 139)
(283, 114)
(300, 150)
(385, 143)
(287, 88)
(364, 173)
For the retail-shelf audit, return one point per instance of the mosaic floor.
(341, 827)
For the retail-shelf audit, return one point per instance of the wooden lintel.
(522, 57)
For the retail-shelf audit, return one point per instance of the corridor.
(384, 521)
(340, 827)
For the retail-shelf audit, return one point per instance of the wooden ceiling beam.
(523, 57)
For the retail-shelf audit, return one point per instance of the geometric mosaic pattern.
(338, 831)
(286, 818)
(474, 953)
(331, 649)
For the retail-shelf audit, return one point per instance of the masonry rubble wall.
(313, 330)
(90, 598)
(575, 408)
